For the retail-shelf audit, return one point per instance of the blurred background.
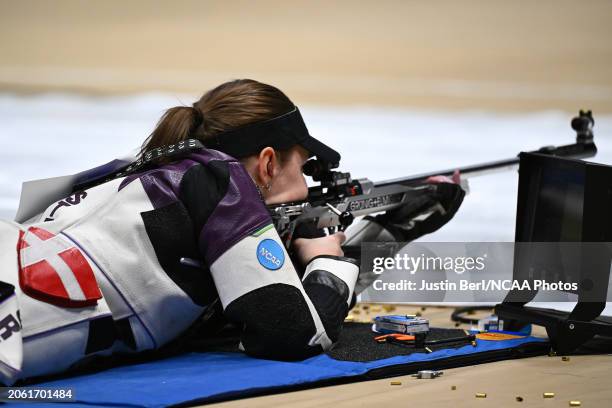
(399, 87)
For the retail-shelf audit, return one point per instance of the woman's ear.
(267, 165)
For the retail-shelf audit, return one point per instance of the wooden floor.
(582, 378)
(482, 54)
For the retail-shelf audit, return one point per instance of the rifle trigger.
(345, 218)
(334, 209)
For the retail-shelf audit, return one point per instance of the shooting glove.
(424, 214)
(418, 217)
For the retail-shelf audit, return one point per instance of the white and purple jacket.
(99, 272)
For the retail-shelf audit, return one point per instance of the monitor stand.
(566, 331)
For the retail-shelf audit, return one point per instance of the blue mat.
(214, 376)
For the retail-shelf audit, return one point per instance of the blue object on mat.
(203, 377)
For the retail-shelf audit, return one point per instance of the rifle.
(339, 199)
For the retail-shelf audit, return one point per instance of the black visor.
(280, 133)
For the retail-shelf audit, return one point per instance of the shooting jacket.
(132, 263)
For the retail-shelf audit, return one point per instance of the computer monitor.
(563, 200)
(564, 226)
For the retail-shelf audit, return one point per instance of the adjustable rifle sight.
(583, 125)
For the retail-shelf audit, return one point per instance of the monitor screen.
(558, 204)
(563, 222)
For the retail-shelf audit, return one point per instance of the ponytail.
(175, 125)
(230, 105)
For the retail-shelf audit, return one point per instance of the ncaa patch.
(270, 254)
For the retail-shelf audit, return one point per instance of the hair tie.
(199, 117)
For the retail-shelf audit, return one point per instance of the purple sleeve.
(238, 214)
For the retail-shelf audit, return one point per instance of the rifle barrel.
(579, 150)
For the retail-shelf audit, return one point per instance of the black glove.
(423, 215)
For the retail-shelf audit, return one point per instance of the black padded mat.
(357, 343)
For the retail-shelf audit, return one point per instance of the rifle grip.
(303, 230)
(307, 230)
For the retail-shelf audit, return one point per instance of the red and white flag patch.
(53, 270)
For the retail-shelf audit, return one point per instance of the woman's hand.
(455, 179)
(307, 249)
(438, 206)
